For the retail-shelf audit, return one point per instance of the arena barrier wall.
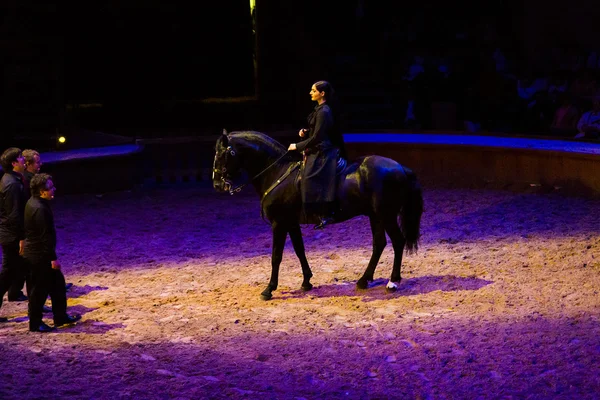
(447, 160)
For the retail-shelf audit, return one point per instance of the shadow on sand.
(84, 326)
(90, 327)
(78, 291)
(408, 287)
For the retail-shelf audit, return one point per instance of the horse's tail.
(411, 211)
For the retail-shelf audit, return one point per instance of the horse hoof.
(266, 296)
(362, 284)
(391, 287)
(306, 288)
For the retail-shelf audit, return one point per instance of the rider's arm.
(324, 121)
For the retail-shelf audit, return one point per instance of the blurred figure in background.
(589, 123)
(566, 117)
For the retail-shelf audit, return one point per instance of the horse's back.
(374, 183)
(377, 168)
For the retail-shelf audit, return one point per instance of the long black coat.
(318, 175)
(12, 206)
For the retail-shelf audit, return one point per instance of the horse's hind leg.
(298, 243)
(379, 243)
(279, 235)
(395, 233)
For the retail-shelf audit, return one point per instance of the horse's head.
(254, 152)
(227, 164)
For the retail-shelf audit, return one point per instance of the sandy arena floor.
(500, 302)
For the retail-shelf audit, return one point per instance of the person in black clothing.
(322, 149)
(40, 253)
(33, 163)
(32, 167)
(12, 203)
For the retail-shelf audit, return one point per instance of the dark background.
(147, 68)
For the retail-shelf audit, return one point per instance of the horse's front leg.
(279, 235)
(296, 236)
(379, 243)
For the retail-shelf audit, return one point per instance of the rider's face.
(315, 95)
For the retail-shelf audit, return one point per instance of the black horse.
(374, 186)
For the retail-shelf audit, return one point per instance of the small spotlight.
(62, 139)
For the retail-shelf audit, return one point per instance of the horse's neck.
(264, 165)
(259, 163)
(269, 176)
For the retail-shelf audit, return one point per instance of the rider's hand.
(302, 132)
(292, 146)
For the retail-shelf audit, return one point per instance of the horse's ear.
(222, 142)
(224, 139)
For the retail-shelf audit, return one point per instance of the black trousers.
(13, 270)
(15, 289)
(46, 281)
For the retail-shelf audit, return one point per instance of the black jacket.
(320, 122)
(12, 204)
(324, 131)
(318, 174)
(40, 234)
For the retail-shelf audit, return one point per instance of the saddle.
(342, 163)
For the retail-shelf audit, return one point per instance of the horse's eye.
(232, 152)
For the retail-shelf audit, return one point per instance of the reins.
(238, 188)
(287, 173)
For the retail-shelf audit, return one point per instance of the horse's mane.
(260, 141)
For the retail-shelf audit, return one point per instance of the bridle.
(228, 184)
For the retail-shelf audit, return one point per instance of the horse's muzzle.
(228, 186)
(224, 186)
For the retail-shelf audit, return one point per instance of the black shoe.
(66, 320)
(324, 222)
(20, 297)
(68, 286)
(46, 309)
(41, 327)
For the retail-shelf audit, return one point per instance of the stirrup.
(324, 222)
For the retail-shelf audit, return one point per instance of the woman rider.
(322, 148)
